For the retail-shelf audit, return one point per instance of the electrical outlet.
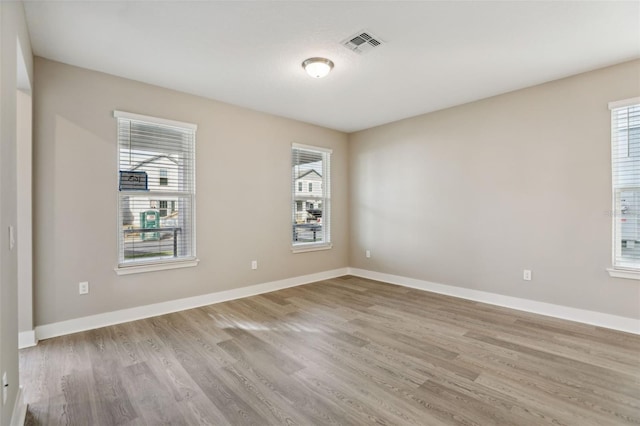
(83, 287)
(5, 388)
(367, 254)
(526, 275)
(254, 264)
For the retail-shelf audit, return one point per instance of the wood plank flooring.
(343, 351)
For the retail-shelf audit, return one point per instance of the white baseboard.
(600, 319)
(19, 410)
(629, 325)
(26, 339)
(125, 315)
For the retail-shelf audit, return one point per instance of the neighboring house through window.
(311, 167)
(625, 167)
(156, 197)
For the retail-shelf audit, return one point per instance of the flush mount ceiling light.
(317, 67)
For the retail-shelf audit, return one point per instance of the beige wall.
(13, 31)
(472, 195)
(239, 218)
(468, 196)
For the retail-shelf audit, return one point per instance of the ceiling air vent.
(362, 42)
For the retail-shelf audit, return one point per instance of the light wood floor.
(342, 351)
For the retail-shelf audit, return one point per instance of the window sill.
(139, 269)
(313, 247)
(624, 273)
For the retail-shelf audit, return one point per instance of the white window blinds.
(156, 190)
(311, 196)
(625, 166)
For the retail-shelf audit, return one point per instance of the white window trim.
(165, 264)
(304, 248)
(309, 247)
(312, 148)
(624, 103)
(155, 120)
(151, 267)
(618, 271)
(623, 273)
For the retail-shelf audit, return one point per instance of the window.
(625, 167)
(163, 208)
(164, 180)
(311, 227)
(156, 160)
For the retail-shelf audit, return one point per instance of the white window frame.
(165, 263)
(619, 270)
(325, 199)
(163, 175)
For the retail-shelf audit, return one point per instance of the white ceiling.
(249, 53)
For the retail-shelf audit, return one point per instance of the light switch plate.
(12, 237)
(5, 388)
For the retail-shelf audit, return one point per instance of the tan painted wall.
(238, 218)
(13, 30)
(468, 196)
(472, 195)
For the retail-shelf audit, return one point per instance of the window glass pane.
(628, 204)
(164, 177)
(310, 171)
(625, 166)
(157, 217)
(148, 234)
